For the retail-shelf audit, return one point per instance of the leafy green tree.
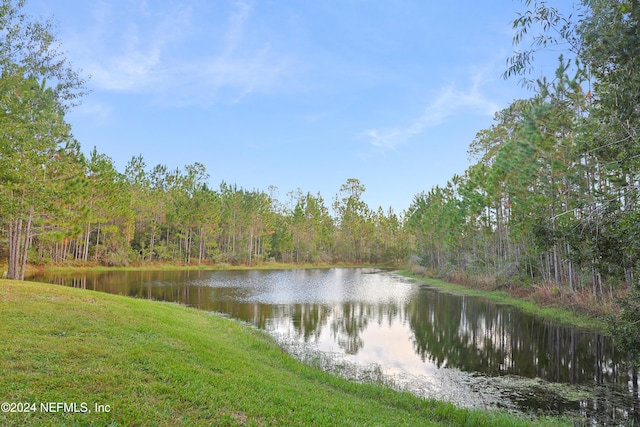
(100, 205)
(257, 209)
(33, 130)
(611, 48)
(158, 187)
(352, 216)
(311, 229)
(390, 242)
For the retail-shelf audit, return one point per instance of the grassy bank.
(34, 269)
(151, 363)
(559, 314)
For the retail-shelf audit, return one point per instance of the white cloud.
(165, 53)
(97, 112)
(450, 100)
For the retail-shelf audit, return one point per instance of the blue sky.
(295, 94)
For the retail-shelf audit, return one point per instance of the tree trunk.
(152, 242)
(97, 242)
(85, 253)
(18, 247)
(202, 245)
(14, 248)
(27, 238)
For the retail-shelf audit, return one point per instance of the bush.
(625, 327)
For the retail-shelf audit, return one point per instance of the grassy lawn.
(157, 364)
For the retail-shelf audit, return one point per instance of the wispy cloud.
(167, 53)
(235, 31)
(124, 50)
(97, 112)
(450, 100)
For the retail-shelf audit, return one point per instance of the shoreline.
(151, 362)
(31, 270)
(557, 313)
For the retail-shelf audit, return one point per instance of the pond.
(369, 324)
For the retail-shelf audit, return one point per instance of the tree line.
(538, 204)
(551, 197)
(94, 214)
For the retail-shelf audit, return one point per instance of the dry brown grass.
(483, 282)
(579, 301)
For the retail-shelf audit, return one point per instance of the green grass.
(557, 314)
(161, 364)
(79, 268)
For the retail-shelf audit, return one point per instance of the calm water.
(368, 324)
